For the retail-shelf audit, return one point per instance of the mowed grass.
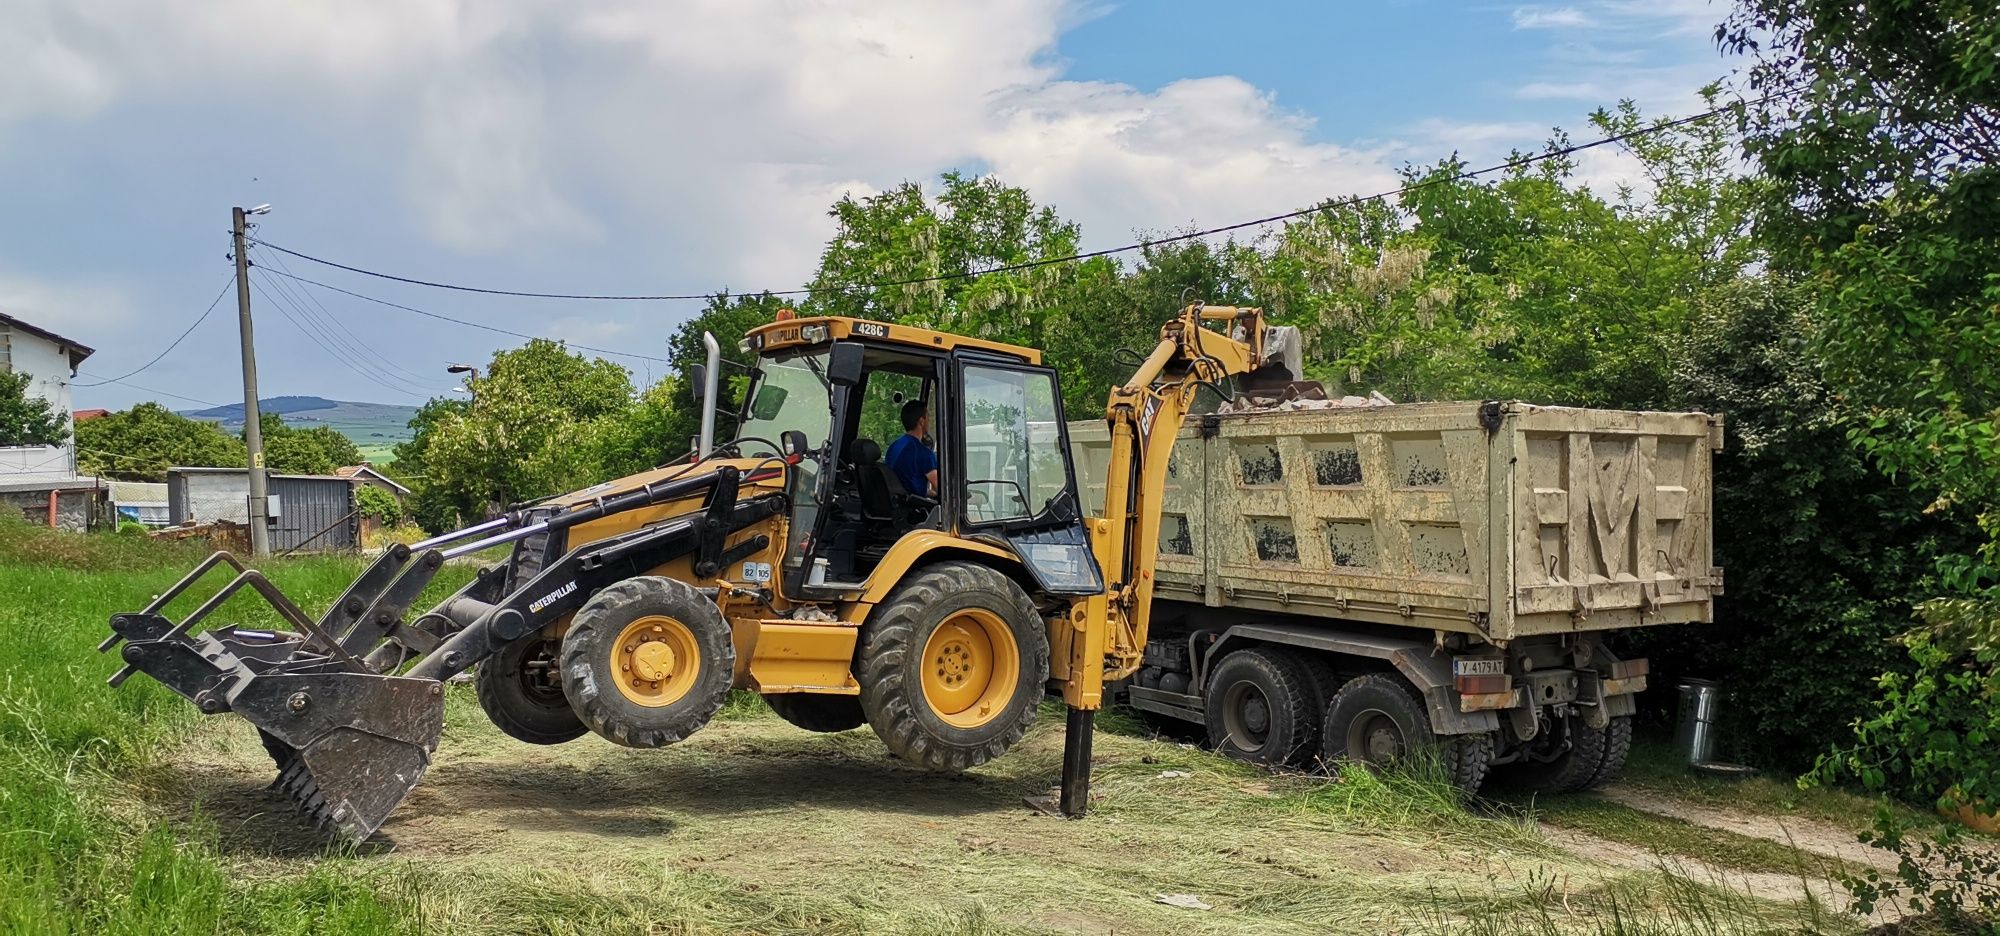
(74, 857)
(124, 811)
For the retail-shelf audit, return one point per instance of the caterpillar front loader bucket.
(349, 742)
(350, 706)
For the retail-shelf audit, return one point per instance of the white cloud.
(726, 128)
(1197, 152)
(1536, 17)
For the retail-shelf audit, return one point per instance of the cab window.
(1014, 462)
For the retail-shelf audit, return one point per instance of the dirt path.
(1759, 884)
(1820, 838)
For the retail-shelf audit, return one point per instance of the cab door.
(1013, 477)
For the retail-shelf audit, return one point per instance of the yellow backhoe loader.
(935, 597)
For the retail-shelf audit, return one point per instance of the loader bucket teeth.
(353, 745)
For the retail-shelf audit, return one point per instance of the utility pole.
(253, 429)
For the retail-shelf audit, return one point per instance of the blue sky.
(629, 146)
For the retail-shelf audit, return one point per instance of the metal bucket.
(1695, 735)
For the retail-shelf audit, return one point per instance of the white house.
(41, 480)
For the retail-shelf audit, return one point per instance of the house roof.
(357, 473)
(86, 415)
(77, 350)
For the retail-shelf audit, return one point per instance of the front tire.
(520, 688)
(952, 666)
(647, 662)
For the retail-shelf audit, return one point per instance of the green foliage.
(1825, 554)
(26, 420)
(1877, 144)
(542, 421)
(141, 443)
(318, 450)
(1940, 876)
(131, 528)
(378, 504)
(1935, 733)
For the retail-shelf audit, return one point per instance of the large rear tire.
(1379, 720)
(520, 688)
(952, 666)
(1259, 709)
(817, 711)
(647, 662)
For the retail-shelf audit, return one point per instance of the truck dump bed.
(1502, 520)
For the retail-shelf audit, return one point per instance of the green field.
(123, 811)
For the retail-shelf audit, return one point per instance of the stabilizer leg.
(1076, 762)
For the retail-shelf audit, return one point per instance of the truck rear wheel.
(817, 711)
(1570, 756)
(952, 666)
(1379, 720)
(520, 688)
(647, 662)
(1259, 707)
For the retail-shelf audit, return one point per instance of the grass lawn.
(123, 811)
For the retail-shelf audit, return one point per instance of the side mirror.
(793, 442)
(697, 378)
(843, 365)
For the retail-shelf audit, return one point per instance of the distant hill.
(374, 427)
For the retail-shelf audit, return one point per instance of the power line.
(177, 341)
(353, 354)
(1050, 261)
(459, 321)
(414, 378)
(323, 341)
(123, 382)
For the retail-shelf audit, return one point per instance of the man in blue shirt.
(913, 462)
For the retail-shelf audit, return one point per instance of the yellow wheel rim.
(656, 661)
(971, 668)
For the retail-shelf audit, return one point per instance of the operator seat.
(872, 480)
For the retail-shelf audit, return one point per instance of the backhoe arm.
(1145, 415)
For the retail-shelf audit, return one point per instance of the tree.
(1878, 133)
(542, 420)
(1879, 136)
(141, 443)
(26, 420)
(434, 507)
(318, 450)
(974, 223)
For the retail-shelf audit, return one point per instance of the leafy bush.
(378, 504)
(1935, 733)
(1937, 875)
(131, 528)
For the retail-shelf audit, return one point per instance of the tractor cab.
(908, 431)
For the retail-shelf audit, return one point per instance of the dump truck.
(788, 560)
(1357, 582)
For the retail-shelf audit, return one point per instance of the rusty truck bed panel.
(1504, 520)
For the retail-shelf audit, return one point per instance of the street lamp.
(466, 387)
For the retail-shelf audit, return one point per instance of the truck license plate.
(1465, 667)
